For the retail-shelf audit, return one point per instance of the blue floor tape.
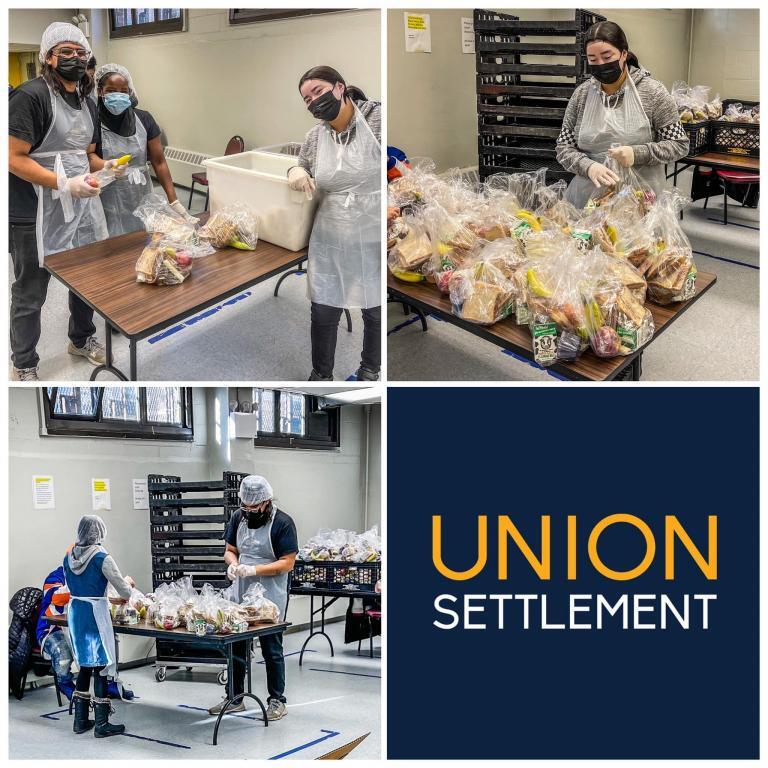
(733, 223)
(197, 318)
(49, 715)
(339, 672)
(730, 261)
(328, 735)
(404, 324)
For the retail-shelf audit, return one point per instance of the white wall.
(26, 26)
(319, 489)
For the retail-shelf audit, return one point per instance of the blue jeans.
(58, 648)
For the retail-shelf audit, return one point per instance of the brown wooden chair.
(235, 146)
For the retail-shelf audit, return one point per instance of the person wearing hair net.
(261, 546)
(340, 162)
(89, 569)
(126, 130)
(52, 135)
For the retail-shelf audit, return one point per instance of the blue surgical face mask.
(117, 103)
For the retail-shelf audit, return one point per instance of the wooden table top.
(724, 160)
(180, 633)
(103, 275)
(507, 333)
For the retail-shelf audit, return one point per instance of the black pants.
(100, 682)
(28, 293)
(325, 326)
(272, 651)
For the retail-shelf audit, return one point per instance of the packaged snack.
(257, 608)
(235, 225)
(163, 262)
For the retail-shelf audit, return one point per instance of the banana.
(536, 286)
(594, 316)
(529, 219)
(408, 277)
(124, 160)
(443, 248)
(613, 235)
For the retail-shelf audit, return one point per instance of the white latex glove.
(623, 155)
(301, 181)
(118, 170)
(129, 581)
(601, 176)
(245, 571)
(232, 572)
(179, 208)
(77, 186)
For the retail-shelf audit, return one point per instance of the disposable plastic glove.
(623, 155)
(601, 176)
(179, 208)
(301, 181)
(246, 571)
(118, 170)
(77, 186)
(232, 572)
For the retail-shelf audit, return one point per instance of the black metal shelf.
(185, 487)
(179, 519)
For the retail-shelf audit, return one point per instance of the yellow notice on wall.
(100, 494)
(418, 37)
(43, 496)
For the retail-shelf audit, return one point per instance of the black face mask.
(325, 107)
(606, 73)
(71, 69)
(257, 519)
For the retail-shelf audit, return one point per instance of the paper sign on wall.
(42, 492)
(100, 494)
(467, 35)
(140, 494)
(418, 38)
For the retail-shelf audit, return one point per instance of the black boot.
(366, 374)
(82, 702)
(315, 376)
(103, 709)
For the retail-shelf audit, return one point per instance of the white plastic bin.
(259, 179)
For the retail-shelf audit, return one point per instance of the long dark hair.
(48, 73)
(330, 75)
(610, 32)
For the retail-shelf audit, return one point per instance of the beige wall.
(432, 107)
(216, 80)
(25, 26)
(725, 54)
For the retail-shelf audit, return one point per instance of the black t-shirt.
(29, 118)
(149, 123)
(285, 540)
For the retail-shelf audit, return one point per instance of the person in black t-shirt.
(126, 130)
(261, 547)
(53, 206)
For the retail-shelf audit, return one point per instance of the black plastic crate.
(510, 85)
(735, 138)
(335, 575)
(487, 45)
(500, 125)
(522, 68)
(698, 136)
(746, 104)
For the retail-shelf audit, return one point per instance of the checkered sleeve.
(670, 141)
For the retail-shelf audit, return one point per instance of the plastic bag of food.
(169, 612)
(257, 608)
(235, 226)
(157, 216)
(482, 293)
(628, 178)
(555, 212)
(670, 269)
(411, 251)
(163, 262)
(738, 113)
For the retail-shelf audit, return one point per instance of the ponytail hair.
(610, 32)
(332, 76)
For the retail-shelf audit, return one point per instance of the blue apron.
(87, 641)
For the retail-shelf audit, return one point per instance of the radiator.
(183, 163)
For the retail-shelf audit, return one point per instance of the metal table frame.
(325, 604)
(222, 643)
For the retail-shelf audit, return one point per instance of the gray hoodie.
(670, 141)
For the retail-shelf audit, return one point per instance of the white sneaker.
(25, 374)
(276, 710)
(93, 351)
(239, 707)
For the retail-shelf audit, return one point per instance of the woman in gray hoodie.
(620, 112)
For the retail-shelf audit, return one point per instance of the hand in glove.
(623, 155)
(77, 186)
(232, 571)
(119, 170)
(246, 571)
(180, 209)
(601, 176)
(301, 181)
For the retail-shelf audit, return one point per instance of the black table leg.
(637, 371)
(349, 321)
(248, 665)
(298, 271)
(312, 633)
(133, 374)
(109, 360)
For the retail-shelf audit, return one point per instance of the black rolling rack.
(519, 116)
(187, 539)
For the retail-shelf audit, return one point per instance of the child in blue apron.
(89, 568)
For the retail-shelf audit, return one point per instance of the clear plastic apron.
(63, 221)
(121, 198)
(255, 548)
(100, 607)
(603, 125)
(344, 265)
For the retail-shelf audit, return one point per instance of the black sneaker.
(315, 376)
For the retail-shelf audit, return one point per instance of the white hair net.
(90, 530)
(114, 69)
(254, 489)
(61, 32)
